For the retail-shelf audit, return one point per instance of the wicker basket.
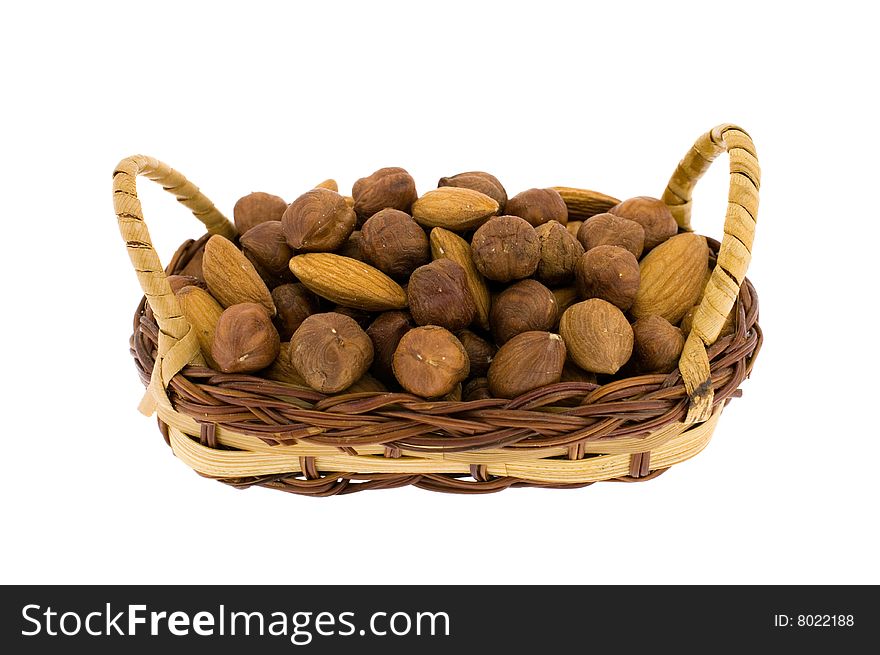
(244, 430)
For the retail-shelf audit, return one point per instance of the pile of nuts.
(461, 293)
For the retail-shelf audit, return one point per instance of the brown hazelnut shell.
(318, 221)
(388, 187)
(353, 247)
(610, 273)
(528, 361)
(538, 206)
(256, 208)
(178, 282)
(385, 332)
(480, 352)
(394, 243)
(429, 361)
(657, 344)
(245, 339)
(598, 336)
(506, 248)
(293, 304)
(476, 389)
(559, 254)
(610, 230)
(266, 245)
(652, 214)
(522, 307)
(438, 294)
(330, 351)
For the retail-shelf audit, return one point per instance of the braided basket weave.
(245, 430)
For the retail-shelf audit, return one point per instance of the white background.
(276, 97)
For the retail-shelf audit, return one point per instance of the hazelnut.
(522, 307)
(318, 221)
(353, 248)
(652, 214)
(480, 352)
(478, 181)
(538, 206)
(430, 362)
(293, 303)
(476, 389)
(330, 351)
(245, 339)
(438, 294)
(506, 248)
(598, 336)
(178, 282)
(610, 273)
(266, 246)
(385, 332)
(559, 253)
(528, 361)
(394, 243)
(387, 187)
(255, 208)
(658, 344)
(610, 230)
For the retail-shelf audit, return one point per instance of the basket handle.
(733, 256)
(177, 345)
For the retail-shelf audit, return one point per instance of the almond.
(672, 277)
(348, 282)
(203, 313)
(231, 278)
(455, 208)
(328, 184)
(448, 245)
(583, 203)
(282, 369)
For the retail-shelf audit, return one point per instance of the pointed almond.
(454, 208)
(583, 203)
(230, 276)
(203, 313)
(348, 282)
(448, 245)
(672, 277)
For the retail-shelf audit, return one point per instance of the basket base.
(278, 465)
